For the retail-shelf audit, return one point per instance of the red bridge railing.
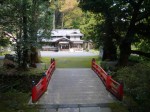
(111, 85)
(41, 86)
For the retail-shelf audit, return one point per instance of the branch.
(143, 15)
(131, 28)
(143, 29)
(140, 2)
(140, 53)
(10, 35)
(132, 2)
(1, 2)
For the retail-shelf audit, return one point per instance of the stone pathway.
(78, 109)
(75, 90)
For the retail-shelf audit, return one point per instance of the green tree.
(124, 21)
(91, 27)
(65, 13)
(72, 14)
(24, 23)
(108, 33)
(73, 18)
(4, 41)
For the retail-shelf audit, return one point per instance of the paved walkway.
(75, 90)
(62, 54)
(1, 57)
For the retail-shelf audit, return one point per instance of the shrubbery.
(136, 86)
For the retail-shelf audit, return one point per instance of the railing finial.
(33, 83)
(93, 60)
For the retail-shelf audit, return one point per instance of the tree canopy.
(112, 24)
(21, 20)
(127, 22)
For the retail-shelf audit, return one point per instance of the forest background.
(119, 27)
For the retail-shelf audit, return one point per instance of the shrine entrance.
(64, 46)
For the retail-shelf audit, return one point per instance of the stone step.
(79, 109)
(56, 106)
(74, 108)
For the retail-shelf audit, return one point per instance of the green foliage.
(118, 107)
(136, 85)
(73, 18)
(3, 52)
(18, 80)
(22, 19)
(143, 45)
(15, 102)
(126, 22)
(136, 59)
(4, 42)
(87, 22)
(1, 63)
(20, 72)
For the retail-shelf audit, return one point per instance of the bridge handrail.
(50, 71)
(41, 86)
(111, 85)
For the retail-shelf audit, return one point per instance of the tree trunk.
(34, 56)
(25, 36)
(58, 19)
(62, 21)
(109, 50)
(125, 51)
(18, 55)
(125, 47)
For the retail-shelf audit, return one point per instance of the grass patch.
(72, 62)
(15, 102)
(118, 107)
(5, 52)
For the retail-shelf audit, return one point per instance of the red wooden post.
(120, 91)
(44, 82)
(34, 94)
(93, 61)
(54, 64)
(108, 82)
(97, 68)
(51, 61)
(98, 71)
